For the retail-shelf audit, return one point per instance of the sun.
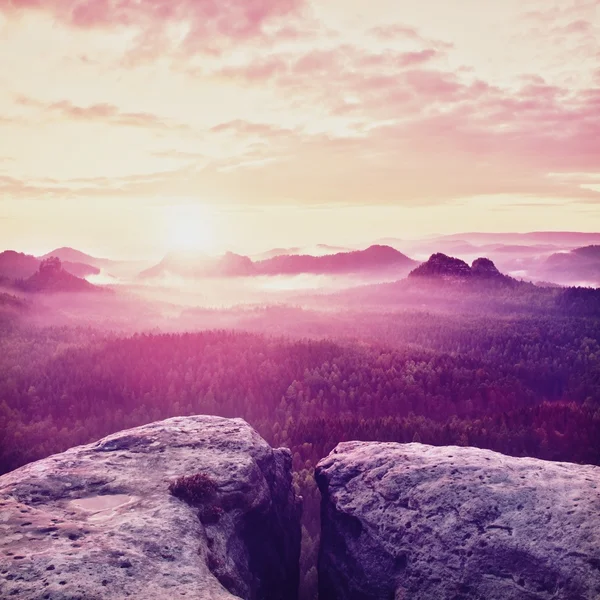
(190, 229)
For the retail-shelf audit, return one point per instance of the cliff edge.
(417, 522)
(191, 507)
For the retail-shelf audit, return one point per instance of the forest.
(523, 384)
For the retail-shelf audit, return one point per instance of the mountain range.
(30, 274)
(579, 266)
(374, 259)
(546, 257)
(16, 265)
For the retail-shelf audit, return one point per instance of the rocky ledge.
(410, 521)
(99, 521)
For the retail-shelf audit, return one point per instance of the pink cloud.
(560, 9)
(533, 130)
(233, 19)
(579, 26)
(410, 59)
(104, 112)
(241, 127)
(434, 83)
(388, 33)
(569, 26)
(257, 71)
(319, 61)
(477, 137)
(411, 119)
(344, 67)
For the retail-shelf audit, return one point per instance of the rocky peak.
(484, 268)
(440, 265)
(109, 520)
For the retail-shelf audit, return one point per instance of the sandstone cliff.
(415, 522)
(99, 522)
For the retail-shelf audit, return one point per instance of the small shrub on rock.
(194, 489)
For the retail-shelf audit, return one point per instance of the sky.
(135, 127)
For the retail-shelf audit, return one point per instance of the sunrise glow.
(413, 110)
(190, 229)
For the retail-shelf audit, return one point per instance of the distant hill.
(581, 266)
(51, 277)
(67, 254)
(374, 259)
(447, 284)
(192, 266)
(522, 249)
(328, 249)
(440, 266)
(318, 250)
(71, 256)
(276, 252)
(82, 265)
(16, 265)
(560, 238)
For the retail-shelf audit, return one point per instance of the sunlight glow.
(190, 228)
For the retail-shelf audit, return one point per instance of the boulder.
(99, 521)
(417, 522)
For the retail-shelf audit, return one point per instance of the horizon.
(307, 249)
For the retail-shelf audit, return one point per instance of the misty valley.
(375, 347)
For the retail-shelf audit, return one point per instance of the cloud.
(570, 27)
(203, 24)
(399, 31)
(410, 59)
(382, 115)
(550, 12)
(389, 32)
(531, 128)
(179, 155)
(256, 71)
(343, 65)
(241, 127)
(579, 26)
(102, 112)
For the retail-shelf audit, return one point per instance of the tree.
(50, 266)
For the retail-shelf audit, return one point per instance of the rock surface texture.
(416, 522)
(98, 521)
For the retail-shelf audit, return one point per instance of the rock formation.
(99, 521)
(416, 522)
(439, 266)
(484, 268)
